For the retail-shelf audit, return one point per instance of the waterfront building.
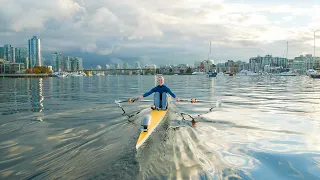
(50, 68)
(221, 67)
(11, 67)
(34, 52)
(1, 52)
(125, 66)
(305, 62)
(117, 66)
(208, 66)
(137, 65)
(150, 68)
(66, 64)
(76, 63)
(255, 64)
(9, 53)
(56, 62)
(317, 62)
(21, 55)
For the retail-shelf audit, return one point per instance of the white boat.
(248, 73)
(100, 74)
(198, 73)
(311, 71)
(290, 73)
(60, 74)
(76, 74)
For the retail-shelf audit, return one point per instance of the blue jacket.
(160, 89)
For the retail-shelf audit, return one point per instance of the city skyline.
(152, 32)
(21, 52)
(66, 63)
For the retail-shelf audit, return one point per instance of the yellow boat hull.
(156, 118)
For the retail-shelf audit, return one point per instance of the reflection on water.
(35, 90)
(266, 127)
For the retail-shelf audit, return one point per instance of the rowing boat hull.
(157, 117)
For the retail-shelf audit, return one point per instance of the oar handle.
(131, 100)
(193, 100)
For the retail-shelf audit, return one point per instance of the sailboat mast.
(314, 48)
(209, 51)
(287, 65)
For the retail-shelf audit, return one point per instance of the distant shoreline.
(25, 75)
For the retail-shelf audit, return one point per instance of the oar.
(129, 100)
(118, 102)
(193, 121)
(193, 100)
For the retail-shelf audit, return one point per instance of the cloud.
(159, 31)
(288, 18)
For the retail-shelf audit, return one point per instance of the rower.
(160, 96)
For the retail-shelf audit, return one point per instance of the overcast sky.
(162, 31)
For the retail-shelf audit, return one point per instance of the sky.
(162, 31)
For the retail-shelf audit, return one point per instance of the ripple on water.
(264, 126)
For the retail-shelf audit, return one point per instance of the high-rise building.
(13, 55)
(1, 52)
(137, 65)
(125, 66)
(21, 52)
(34, 52)
(8, 52)
(21, 55)
(76, 63)
(56, 62)
(151, 66)
(66, 63)
(117, 66)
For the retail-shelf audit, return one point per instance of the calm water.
(264, 128)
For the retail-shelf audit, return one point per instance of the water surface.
(70, 128)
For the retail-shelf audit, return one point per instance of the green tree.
(189, 70)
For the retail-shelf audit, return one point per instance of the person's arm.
(150, 92)
(171, 93)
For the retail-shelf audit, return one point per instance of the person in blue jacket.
(160, 96)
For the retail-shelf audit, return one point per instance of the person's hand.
(140, 98)
(177, 99)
